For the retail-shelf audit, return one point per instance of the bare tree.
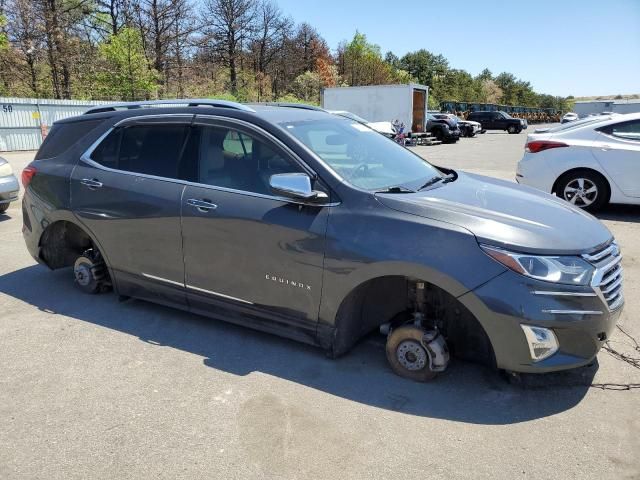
(25, 35)
(116, 13)
(163, 24)
(228, 24)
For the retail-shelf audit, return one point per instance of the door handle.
(202, 205)
(605, 147)
(91, 183)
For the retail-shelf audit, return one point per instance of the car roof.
(273, 113)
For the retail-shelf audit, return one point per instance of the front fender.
(363, 247)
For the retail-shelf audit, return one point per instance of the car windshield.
(361, 156)
(577, 123)
(352, 116)
(506, 115)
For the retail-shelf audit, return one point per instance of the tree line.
(247, 50)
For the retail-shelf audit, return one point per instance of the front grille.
(607, 280)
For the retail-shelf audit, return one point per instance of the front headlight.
(557, 269)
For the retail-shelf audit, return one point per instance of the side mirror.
(296, 186)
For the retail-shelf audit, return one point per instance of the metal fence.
(24, 122)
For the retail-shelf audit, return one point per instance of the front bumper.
(452, 134)
(510, 300)
(9, 189)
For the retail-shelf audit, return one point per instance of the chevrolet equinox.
(314, 227)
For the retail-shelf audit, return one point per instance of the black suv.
(498, 121)
(314, 227)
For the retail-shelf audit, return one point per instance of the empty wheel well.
(574, 171)
(61, 243)
(390, 298)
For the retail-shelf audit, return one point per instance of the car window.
(106, 153)
(352, 116)
(231, 159)
(627, 130)
(361, 156)
(63, 135)
(576, 124)
(238, 143)
(147, 149)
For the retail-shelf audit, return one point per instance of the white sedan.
(588, 162)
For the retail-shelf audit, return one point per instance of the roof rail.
(208, 102)
(302, 106)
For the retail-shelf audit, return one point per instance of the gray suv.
(311, 226)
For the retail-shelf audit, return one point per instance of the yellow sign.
(35, 115)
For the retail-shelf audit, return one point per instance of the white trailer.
(382, 103)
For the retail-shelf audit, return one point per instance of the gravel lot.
(94, 388)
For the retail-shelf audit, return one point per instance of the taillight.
(540, 145)
(27, 174)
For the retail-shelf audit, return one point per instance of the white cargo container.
(382, 103)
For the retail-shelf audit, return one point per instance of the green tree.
(307, 86)
(362, 64)
(125, 73)
(485, 75)
(425, 66)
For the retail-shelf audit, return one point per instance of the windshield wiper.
(446, 179)
(396, 189)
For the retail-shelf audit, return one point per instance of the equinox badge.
(285, 281)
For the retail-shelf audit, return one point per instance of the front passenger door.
(248, 252)
(618, 151)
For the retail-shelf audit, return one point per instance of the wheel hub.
(82, 274)
(412, 355)
(581, 192)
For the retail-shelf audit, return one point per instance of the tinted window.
(231, 159)
(627, 130)
(152, 149)
(63, 135)
(107, 152)
(148, 149)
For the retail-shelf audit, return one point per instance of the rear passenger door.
(127, 192)
(248, 252)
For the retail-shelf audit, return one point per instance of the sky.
(562, 47)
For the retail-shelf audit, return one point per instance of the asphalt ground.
(94, 388)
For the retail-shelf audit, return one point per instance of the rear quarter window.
(629, 130)
(63, 135)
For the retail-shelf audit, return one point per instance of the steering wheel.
(361, 166)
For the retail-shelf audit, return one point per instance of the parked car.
(589, 162)
(311, 226)
(385, 128)
(498, 121)
(467, 128)
(444, 129)
(9, 186)
(569, 117)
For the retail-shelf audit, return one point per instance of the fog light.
(542, 342)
